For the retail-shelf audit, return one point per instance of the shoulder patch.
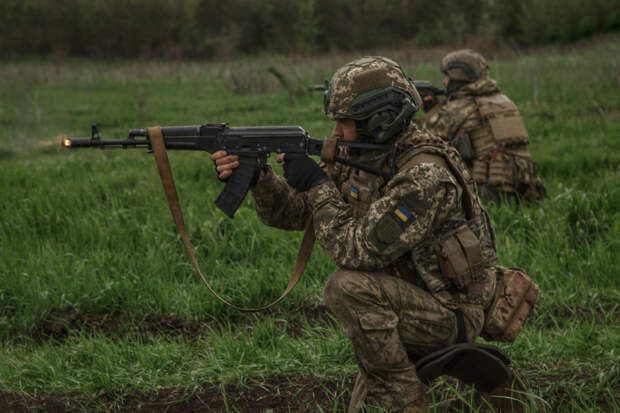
(402, 213)
(386, 231)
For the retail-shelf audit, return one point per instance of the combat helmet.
(375, 92)
(464, 65)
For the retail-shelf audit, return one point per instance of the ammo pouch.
(515, 297)
(460, 257)
(502, 171)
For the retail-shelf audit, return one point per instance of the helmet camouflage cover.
(465, 65)
(362, 75)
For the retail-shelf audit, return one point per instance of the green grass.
(91, 229)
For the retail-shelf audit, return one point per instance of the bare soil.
(60, 323)
(276, 394)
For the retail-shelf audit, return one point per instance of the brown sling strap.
(163, 165)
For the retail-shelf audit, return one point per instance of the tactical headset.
(379, 114)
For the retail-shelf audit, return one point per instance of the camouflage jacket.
(495, 135)
(364, 222)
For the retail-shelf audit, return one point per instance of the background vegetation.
(217, 29)
(89, 231)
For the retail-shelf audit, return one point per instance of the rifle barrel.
(69, 142)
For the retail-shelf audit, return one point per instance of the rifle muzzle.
(68, 142)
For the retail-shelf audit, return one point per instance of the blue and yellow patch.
(402, 213)
(354, 192)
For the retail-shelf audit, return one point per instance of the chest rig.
(455, 261)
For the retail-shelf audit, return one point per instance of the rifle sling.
(163, 165)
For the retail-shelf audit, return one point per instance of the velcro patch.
(354, 192)
(402, 213)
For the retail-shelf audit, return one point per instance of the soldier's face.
(445, 81)
(345, 130)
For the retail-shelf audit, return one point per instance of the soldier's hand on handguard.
(429, 102)
(225, 165)
(301, 172)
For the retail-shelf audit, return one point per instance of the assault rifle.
(252, 144)
(426, 88)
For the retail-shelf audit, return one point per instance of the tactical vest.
(455, 262)
(500, 140)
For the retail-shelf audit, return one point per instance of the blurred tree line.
(221, 29)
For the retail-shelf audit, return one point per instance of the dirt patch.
(276, 394)
(59, 324)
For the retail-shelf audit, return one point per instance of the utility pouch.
(480, 171)
(460, 258)
(462, 143)
(514, 299)
(357, 192)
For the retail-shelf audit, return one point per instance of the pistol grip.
(237, 186)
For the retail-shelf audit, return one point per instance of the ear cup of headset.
(376, 126)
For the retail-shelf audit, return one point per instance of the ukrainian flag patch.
(354, 192)
(402, 213)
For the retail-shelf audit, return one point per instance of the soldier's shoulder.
(457, 105)
(417, 136)
(450, 112)
(422, 147)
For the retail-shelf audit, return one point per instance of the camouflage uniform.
(500, 161)
(390, 293)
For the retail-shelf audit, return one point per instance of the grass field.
(100, 309)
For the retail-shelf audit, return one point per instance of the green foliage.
(221, 30)
(572, 19)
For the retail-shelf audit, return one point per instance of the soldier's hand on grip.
(225, 165)
(302, 173)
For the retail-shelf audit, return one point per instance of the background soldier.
(487, 129)
(397, 296)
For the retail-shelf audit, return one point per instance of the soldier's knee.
(336, 288)
(348, 289)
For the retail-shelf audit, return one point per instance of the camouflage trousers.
(391, 323)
